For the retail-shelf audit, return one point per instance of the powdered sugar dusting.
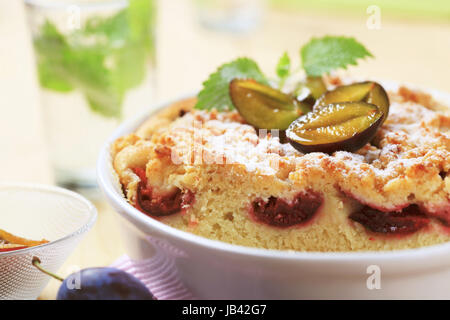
(221, 140)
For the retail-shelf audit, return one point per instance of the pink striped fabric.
(158, 273)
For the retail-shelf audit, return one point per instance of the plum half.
(346, 126)
(309, 90)
(265, 107)
(369, 91)
(316, 86)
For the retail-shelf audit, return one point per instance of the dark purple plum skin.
(352, 144)
(104, 284)
(383, 97)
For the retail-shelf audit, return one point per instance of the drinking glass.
(236, 16)
(95, 64)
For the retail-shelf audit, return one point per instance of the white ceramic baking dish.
(217, 270)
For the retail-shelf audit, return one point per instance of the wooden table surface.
(413, 51)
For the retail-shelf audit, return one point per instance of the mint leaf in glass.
(49, 47)
(103, 59)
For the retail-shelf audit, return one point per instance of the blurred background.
(410, 40)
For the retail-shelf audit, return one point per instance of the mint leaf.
(215, 90)
(283, 66)
(49, 66)
(107, 106)
(322, 55)
(50, 79)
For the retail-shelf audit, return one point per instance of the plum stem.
(36, 262)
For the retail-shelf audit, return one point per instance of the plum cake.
(357, 168)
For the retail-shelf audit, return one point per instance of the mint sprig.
(319, 56)
(215, 90)
(323, 55)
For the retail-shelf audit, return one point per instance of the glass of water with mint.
(95, 65)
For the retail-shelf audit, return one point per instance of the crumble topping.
(407, 163)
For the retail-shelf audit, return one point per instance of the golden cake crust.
(227, 164)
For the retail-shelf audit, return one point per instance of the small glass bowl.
(39, 212)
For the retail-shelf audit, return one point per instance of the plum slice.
(265, 107)
(316, 86)
(338, 126)
(309, 90)
(369, 91)
(160, 205)
(278, 212)
(407, 221)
